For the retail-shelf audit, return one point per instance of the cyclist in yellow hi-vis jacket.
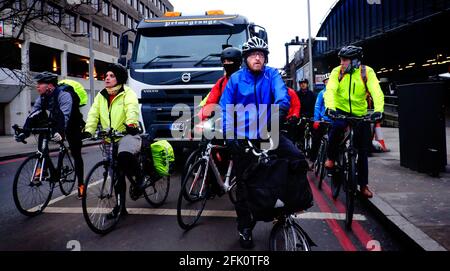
(346, 95)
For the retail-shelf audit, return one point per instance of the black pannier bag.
(281, 179)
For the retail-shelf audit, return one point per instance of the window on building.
(135, 24)
(129, 22)
(136, 4)
(147, 12)
(54, 14)
(70, 22)
(37, 6)
(115, 40)
(122, 18)
(106, 37)
(105, 8)
(95, 4)
(130, 2)
(96, 32)
(84, 25)
(141, 8)
(152, 15)
(115, 13)
(17, 5)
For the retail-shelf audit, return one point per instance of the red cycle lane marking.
(363, 236)
(340, 234)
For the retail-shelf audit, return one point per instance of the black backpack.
(76, 118)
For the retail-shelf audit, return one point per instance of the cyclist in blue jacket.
(255, 84)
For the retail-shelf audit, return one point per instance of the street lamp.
(91, 60)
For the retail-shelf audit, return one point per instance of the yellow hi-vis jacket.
(124, 108)
(341, 95)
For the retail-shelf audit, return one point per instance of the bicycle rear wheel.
(68, 176)
(287, 236)
(100, 198)
(156, 194)
(350, 192)
(196, 187)
(32, 188)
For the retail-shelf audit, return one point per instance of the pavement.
(415, 206)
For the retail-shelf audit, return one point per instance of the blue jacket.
(245, 88)
(319, 108)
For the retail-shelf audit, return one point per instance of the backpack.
(78, 89)
(163, 157)
(76, 119)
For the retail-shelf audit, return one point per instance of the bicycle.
(345, 171)
(38, 175)
(102, 194)
(319, 164)
(288, 235)
(196, 186)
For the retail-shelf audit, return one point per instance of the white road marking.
(211, 213)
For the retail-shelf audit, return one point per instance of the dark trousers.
(286, 149)
(75, 145)
(361, 140)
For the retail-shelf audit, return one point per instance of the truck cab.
(175, 58)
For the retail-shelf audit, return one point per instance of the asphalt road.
(62, 223)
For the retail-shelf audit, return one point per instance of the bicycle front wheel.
(68, 176)
(32, 187)
(287, 236)
(194, 188)
(350, 192)
(101, 198)
(322, 159)
(156, 194)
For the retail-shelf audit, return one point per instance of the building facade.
(47, 43)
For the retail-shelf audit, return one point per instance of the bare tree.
(28, 16)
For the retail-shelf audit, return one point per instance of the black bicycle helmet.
(119, 71)
(351, 52)
(46, 77)
(303, 80)
(233, 54)
(255, 44)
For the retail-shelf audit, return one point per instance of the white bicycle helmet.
(255, 44)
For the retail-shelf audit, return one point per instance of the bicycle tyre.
(46, 194)
(156, 194)
(323, 157)
(288, 237)
(188, 217)
(115, 199)
(350, 192)
(68, 177)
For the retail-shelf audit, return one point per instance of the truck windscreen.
(199, 45)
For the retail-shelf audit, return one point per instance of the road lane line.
(337, 230)
(363, 236)
(211, 213)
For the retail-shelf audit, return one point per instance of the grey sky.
(283, 19)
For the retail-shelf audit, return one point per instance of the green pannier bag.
(163, 157)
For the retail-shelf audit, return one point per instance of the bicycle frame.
(225, 183)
